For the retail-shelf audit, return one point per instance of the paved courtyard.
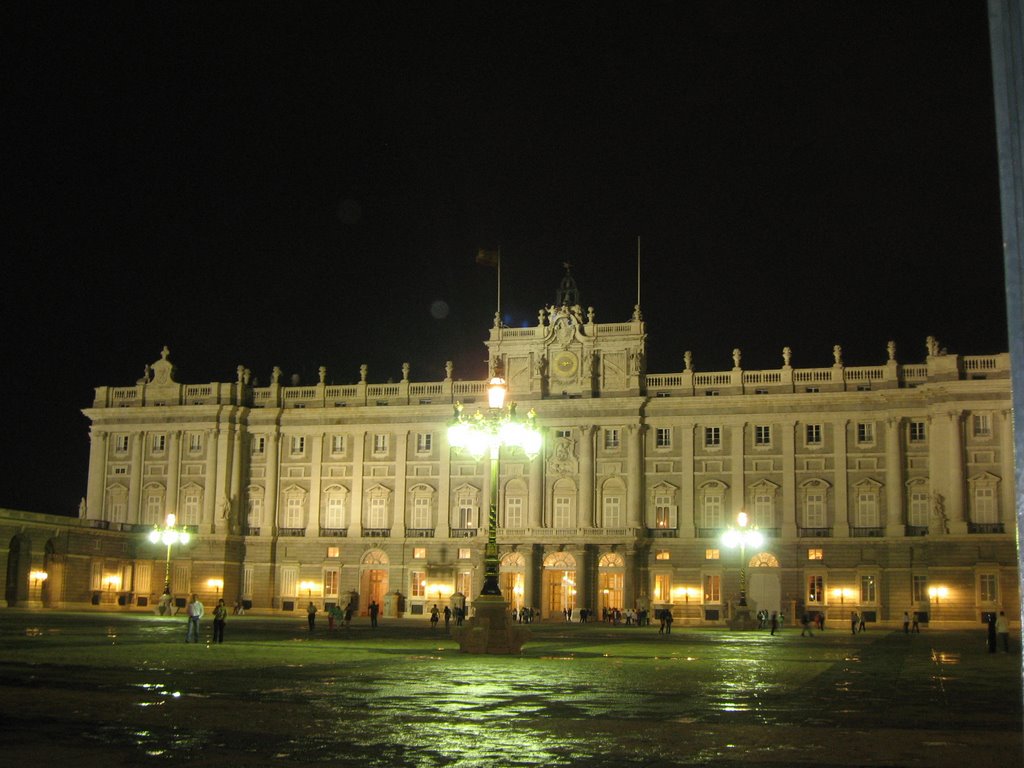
(91, 689)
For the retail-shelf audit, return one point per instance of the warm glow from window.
(712, 554)
(815, 554)
(419, 553)
(662, 555)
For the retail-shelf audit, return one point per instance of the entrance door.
(374, 587)
(764, 589)
(609, 591)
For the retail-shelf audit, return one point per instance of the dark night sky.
(295, 184)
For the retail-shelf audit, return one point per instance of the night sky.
(299, 184)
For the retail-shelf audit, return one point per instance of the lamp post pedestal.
(491, 629)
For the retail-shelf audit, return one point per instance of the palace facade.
(881, 489)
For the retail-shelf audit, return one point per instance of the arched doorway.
(559, 584)
(610, 577)
(512, 578)
(19, 558)
(764, 587)
(373, 580)
(53, 566)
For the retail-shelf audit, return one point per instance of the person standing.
(854, 621)
(448, 618)
(194, 612)
(311, 615)
(992, 633)
(863, 622)
(906, 623)
(805, 624)
(915, 625)
(164, 606)
(220, 615)
(1003, 630)
(434, 616)
(668, 621)
(775, 621)
(374, 610)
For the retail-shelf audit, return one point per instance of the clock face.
(565, 364)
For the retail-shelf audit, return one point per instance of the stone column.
(634, 487)
(630, 586)
(1006, 481)
(173, 473)
(216, 455)
(737, 473)
(268, 525)
(686, 498)
(586, 580)
(315, 482)
(955, 469)
(401, 519)
(894, 518)
(135, 485)
(789, 511)
(841, 526)
(535, 514)
(444, 490)
(358, 451)
(235, 511)
(587, 516)
(98, 442)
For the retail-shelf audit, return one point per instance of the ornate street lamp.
(741, 537)
(170, 536)
(482, 434)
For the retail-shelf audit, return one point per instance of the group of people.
(338, 615)
(459, 614)
(195, 610)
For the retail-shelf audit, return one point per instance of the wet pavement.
(125, 690)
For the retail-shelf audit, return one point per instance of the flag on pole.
(488, 258)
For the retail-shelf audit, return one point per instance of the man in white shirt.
(195, 613)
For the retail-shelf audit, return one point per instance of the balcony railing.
(814, 533)
(464, 533)
(334, 533)
(917, 530)
(291, 531)
(985, 528)
(376, 533)
(419, 533)
(871, 532)
(252, 530)
(663, 533)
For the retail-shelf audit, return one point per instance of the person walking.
(854, 621)
(863, 622)
(668, 621)
(906, 623)
(311, 615)
(775, 621)
(1003, 630)
(374, 610)
(915, 624)
(220, 615)
(448, 618)
(805, 625)
(194, 612)
(348, 613)
(434, 616)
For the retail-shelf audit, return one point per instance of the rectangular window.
(424, 442)
(467, 514)
(380, 444)
(984, 505)
(662, 587)
(988, 588)
(120, 443)
(420, 513)
(664, 512)
(335, 516)
(867, 589)
(865, 432)
(814, 510)
(120, 470)
(612, 511)
(813, 434)
(764, 510)
(298, 445)
(331, 582)
(378, 513)
(712, 554)
(712, 588)
(334, 551)
(293, 512)
(762, 434)
(191, 509)
(563, 433)
(158, 443)
(919, 589)
(712, 437)
(418, 584)
(464, 582)
(154, 508)
(918, 514)
(712, 511)
(663, 437)
(867, 509)
(816, 553)
(611, 438)
(917, 433)
(195, 442)
(815, 589)
(514, 512)
(255, 513)
(289, 577)
(337, 444)
(259, 445)
(419, 553)
(562, 512)
(982, 424)
(118, 510)
(662, 554)
(247, 574)
(465, 554)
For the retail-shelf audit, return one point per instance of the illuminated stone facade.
(873, 485)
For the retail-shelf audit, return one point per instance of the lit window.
(331, 581)
(712, 588)
(712, 437)
(662, 587)
(465, 553)
(712, 554)
(419, 553)
(334, 552)
(865, 432)
(418, 584)
(816, 554)
(662, 554)
(988, 588)
(663, 437)
(815, 589)
(917, 433)
(867, 589)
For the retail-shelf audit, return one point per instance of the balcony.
(334, 533)
(252, 531)
(419, 533)
(663, 533)
(291, 532)
(917, 530)
(985, 528)
(464, 533)
(376, 533)
(872, 532)
(814, 533)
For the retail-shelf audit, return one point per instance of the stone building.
(881, 489)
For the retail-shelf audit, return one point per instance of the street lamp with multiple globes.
(485, 434)
(170, 536)
(741, 537)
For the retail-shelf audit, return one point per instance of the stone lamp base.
(491, 630)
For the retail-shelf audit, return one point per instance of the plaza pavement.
(113, 689)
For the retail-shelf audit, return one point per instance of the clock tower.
(568, 353)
